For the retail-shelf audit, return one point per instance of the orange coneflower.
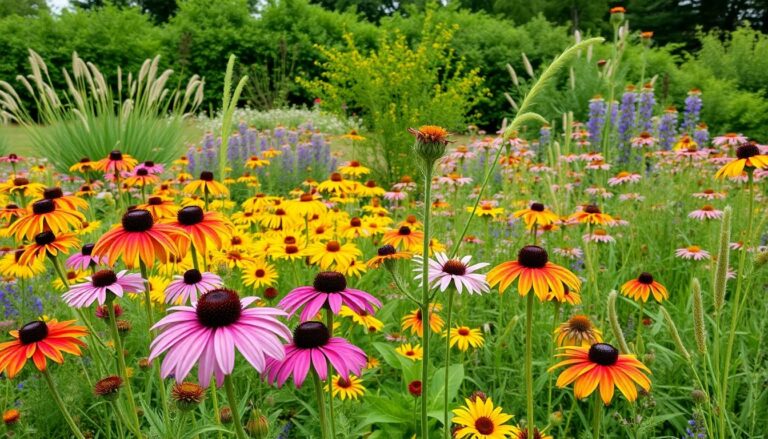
(386, 253)
(747, 156)
(43, 215)
(68, 202)
(202, 228)
(116, 162)
(415, 323)
(23, 186)
(46, 243)
(537, 215)
(591, 214)
(601, 364)
(138, 237)
(206, 185)
(534, 270)
(38, 340)
(578, 331)
(11, 211)
(644, 286)
(336, 184)
(404, 238)
(141, 178)
(84, 165)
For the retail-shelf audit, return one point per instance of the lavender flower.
(645, 109)
(692, 111)
(701, 134)
(626, 122)
(667, 129)
(596, 122)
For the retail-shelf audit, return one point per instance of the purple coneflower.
(101, 283)
(312, 348)
(445, 271)
(329, 288)
(707, 212)
(83, 260)
(191, 284)
(693, 252)
(210, 331)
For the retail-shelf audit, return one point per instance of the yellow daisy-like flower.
(259, 273)
(363, 318)
(591, 214)
(347, 388)
(578, 331)
(412, 352)
(307, 206)
(747, 156)
(332, 252)
(415, 323)
(11, 268)
(73, 277)
(486, 208)
(353, 169)
(536, 215)
(465, 337)
(522, 433)
(206, 185)
(479, 419)
(336, 184)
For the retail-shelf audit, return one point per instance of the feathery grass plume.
(513, 75)
(721, 270)
(90, 118)
(615, 326)
(699, 324)
(675, 334)
(228, 106)
(528, 67)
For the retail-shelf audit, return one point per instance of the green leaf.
(438, 389)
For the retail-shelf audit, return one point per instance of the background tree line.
(697, 44)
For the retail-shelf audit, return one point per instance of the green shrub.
(397, 86)
(90, 118)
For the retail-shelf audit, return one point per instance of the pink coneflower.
(394, 195)
(598, 165)
(454, 179)
(692, 153)
(84, 259)
(151, 167)
(570, 158)
(210, 331)
(624, 177)
(540, 168)
(599, 235)
(693, 252)
(707, 212)
(462, 153)
(569, 252)
(632, 196)
(10, 158)
(191, 284)
(709, 194)
(643, 140)
(444, 271)
(101, 283)
(329, 288)
(591, 156)
(730, 139)
(313, 347)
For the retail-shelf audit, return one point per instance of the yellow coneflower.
(747, 156)
(259, 273)
(386, 253)
(578, 331)
(206, 185)
(415, 323)
(336, 184)
(479, 419)
(486, 208)
(536, 215)
(332, 252)
(255, 162)
(412, 352)
(362, 318)
(84, 165)
(404, 238)
(48, 244)
(12, 268)
(307, 206)
(347, 388)
(160, 207)
(534, 271)
(465, 337)
(642, 287)
(353, 168)
(591, 214)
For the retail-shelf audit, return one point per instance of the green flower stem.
(216, 410)
(555, 319)
(425, 308)
(329, 378)
(597, 416)
(529, 363)
(736, 305)
(195, 263)
(320, 405)
(447, 424)
(121, 366)
(120, 419)
(59, 402)
(147, 294)
(233, 406)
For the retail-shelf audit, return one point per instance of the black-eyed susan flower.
(386, 253)
(39, 341)
(139, 237)
(259, 273)
(336, 185)
(48, 244)
(479, 419)
(306, 206)
(362, 318)
(353, 168)
(536, 215)
(42, 216)
(116, 162)
(332, 252)
(577, 331)
(63, 201)
(201, 228)
(486, 208)
(642, 287)
(347, 388)
(415, 323)
(404, 238)
(141, 178)
(601, 365)
(160, 207)
(254, 162)
(464, 337)
(12, 268)
(84, 165)
(591, 214)
(411, 352)
(747, 157)
(205, 186)
(22, 186)
(533, 270)
(522, 433)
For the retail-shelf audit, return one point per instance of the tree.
(24, 8)
(160, 10)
